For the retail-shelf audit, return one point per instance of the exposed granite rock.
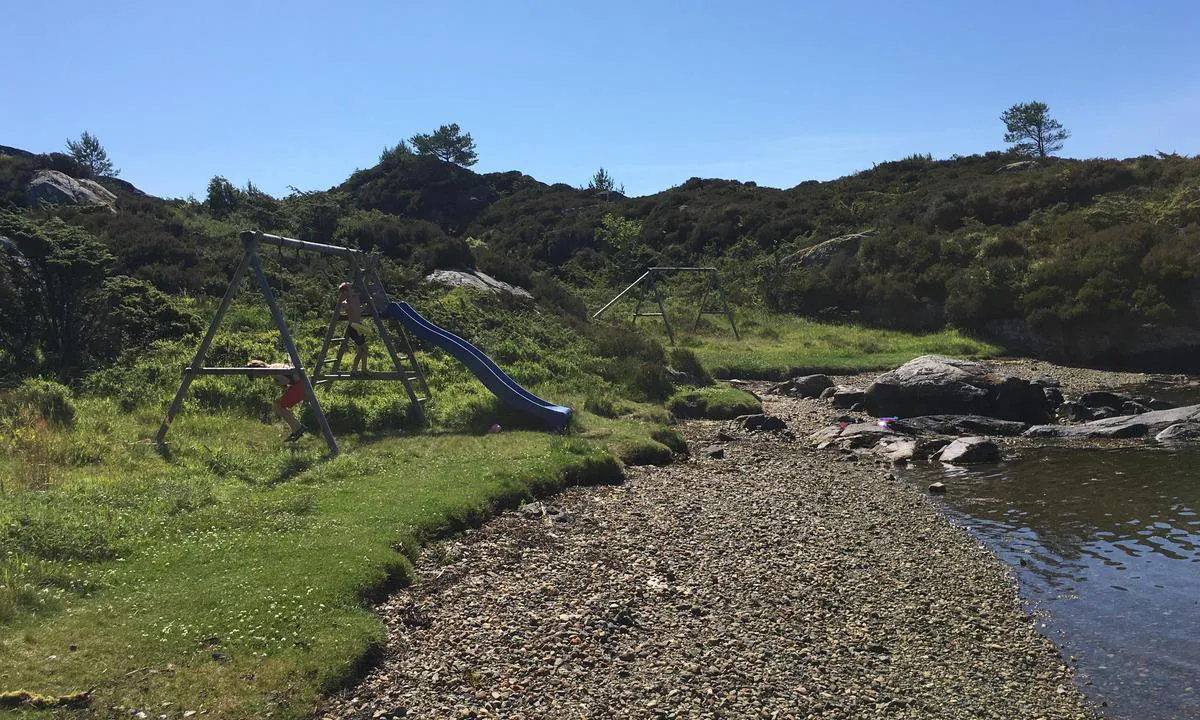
(821, 253)
(59, 188)
(477, 280)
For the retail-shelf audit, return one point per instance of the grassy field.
(774, 347)
(230, 576)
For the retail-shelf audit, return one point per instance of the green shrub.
(33, 400)
(604, 405)
(686, 362)
(653, 381)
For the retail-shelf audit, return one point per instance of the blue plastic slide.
(495, 379)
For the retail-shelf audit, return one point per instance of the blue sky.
(303, 93)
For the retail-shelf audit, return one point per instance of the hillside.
(1087, 261)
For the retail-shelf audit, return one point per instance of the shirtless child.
(350, 304)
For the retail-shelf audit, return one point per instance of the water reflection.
(1108, 542)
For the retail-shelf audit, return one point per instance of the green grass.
(231, 575)
(715, 403)
(774, 347)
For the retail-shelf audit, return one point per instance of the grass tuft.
(714, 403)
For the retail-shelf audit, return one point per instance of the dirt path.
(777, 582)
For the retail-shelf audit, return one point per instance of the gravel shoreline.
(777, 582)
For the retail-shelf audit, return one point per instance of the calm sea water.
(1106, 545)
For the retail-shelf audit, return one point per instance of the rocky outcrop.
(933, 385)
(477, 280)
(59, 188)
(821, 253)
(1122, 426)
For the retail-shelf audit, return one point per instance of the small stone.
(716, 452)
(937, 488)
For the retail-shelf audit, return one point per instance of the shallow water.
(1106, 545)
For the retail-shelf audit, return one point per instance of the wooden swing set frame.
(652, 278)
(363, 275)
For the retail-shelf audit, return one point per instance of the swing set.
(362, 274)
(652, 279)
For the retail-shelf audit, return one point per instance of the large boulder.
(59, 188)
(936, 385)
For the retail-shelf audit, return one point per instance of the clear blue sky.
(302, 93)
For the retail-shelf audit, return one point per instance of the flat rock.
(1123, 426)
(958, 425)
(716, 452)
(1179, 432)
(853, 435)
(970, 450)
(1083, 431)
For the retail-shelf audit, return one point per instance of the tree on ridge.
(1032, 130)
(449, 143)
(89, 153)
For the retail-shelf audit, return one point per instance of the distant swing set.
(362, 274)
(650, 282)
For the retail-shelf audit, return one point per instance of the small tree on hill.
(602, 181)
(449, 143)
(1033, 131)
(89, 153)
